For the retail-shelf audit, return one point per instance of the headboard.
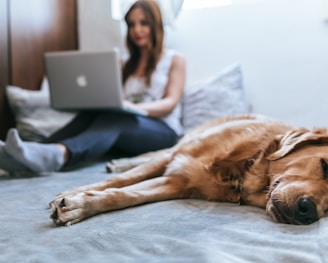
(24, 37)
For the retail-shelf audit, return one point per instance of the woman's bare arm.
(173, 94)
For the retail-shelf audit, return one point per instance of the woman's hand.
(134, 107)
(129, 105)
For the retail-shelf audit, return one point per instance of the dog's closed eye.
(324, 166)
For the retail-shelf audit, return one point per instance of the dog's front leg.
(151, 169)
(74, 208)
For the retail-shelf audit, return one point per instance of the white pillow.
(217, 97)
(35, 119)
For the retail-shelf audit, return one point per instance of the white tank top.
(136, 91)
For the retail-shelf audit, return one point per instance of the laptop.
(85, 80)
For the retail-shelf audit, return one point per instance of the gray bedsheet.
(171, 231)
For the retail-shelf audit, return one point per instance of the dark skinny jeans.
(91, 135)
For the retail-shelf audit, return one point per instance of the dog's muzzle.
(303, 213)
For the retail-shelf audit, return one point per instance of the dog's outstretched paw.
(69, 210)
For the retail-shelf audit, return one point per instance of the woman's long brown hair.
(154, 18)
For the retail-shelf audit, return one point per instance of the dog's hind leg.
(74, 208)
(124, 164)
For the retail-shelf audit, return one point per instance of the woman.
(153, 80)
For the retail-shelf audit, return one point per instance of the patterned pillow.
(217, 97)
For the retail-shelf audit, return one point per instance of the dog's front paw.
(70, 209)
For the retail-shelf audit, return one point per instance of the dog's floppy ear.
(296, 138)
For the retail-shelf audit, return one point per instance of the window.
(196, 4)
(170, 9)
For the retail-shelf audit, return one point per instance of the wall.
(97, 29)
(282, 46)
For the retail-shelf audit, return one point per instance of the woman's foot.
(38, 157)
(9, 163)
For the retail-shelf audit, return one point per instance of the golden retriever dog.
(251, 160)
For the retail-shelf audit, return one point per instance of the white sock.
(9, 163)
(38, 157)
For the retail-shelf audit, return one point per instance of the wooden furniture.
(27, 30)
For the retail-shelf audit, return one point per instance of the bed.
(170, 231)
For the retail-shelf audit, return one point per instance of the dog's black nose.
(306, 211)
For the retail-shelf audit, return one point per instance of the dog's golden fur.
(250, 160)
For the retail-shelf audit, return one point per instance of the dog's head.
(298, 191)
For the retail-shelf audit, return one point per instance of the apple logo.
(81, 81)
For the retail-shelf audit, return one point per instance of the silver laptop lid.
(81, 80)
